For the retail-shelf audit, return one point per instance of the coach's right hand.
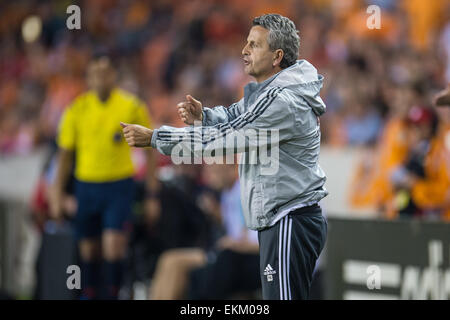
(136, 135)
(190, 110)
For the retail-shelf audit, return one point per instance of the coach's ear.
(278, 57)
(123, 125)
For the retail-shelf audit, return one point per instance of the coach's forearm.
(162, 144)
(169, 140)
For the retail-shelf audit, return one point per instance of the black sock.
(113, 274)
(90, 280)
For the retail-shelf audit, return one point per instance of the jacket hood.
(302, 79)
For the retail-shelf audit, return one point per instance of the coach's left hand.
(136, 135)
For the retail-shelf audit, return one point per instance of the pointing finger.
(191, 99)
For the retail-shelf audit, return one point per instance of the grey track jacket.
(280, 117)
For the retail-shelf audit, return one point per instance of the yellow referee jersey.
(92, 129)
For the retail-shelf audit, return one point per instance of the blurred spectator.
(407, 174)
(371, 183)
(432, 192)
(422, 128)
(182, 222)
(233, 268)
(230, 267)
(363, 125)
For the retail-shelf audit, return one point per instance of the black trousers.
(288, 253)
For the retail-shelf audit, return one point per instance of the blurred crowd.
(164, 49)
(379, 90)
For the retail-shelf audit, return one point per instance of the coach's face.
(259, 61)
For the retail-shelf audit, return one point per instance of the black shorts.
(103, 206)
(288, 253)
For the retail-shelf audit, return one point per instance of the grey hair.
(282, 35)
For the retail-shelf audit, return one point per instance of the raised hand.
(190, 110)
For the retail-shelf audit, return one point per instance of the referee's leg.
(288, 254)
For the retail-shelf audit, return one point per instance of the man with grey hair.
(283, 205)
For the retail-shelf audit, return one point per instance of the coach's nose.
(245, 50)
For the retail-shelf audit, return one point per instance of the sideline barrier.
(375, 259)
(19, 241)
(12, 238)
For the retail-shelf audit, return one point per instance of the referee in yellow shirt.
(90, 132)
